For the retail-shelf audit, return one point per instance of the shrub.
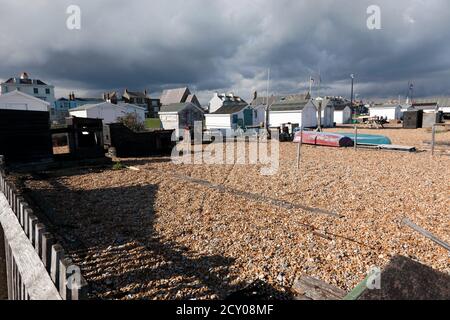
(132, 121)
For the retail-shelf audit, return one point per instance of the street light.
(351, 98)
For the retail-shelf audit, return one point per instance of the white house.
(107, 111)
(179, 116)
(387, 111)
(32, 87)
(219, 100)
(301, 112)
(17, 100)
(343, 114)
(232, 116)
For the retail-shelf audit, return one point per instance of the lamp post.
(351, 97)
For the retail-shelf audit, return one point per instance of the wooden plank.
(426, 234)
(28, 264)
(47, 242)
(357, 291)
(317, 290)
(57, 255)
(64, 290)
(3, 262)
(26, 214)
(40, 229)
(32, 222)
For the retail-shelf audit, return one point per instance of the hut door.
(248, 117)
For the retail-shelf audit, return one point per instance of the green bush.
(118, 166)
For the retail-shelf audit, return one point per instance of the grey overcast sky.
(218, 45)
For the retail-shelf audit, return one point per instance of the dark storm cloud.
(228, 45)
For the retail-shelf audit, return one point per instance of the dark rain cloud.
(223, 45)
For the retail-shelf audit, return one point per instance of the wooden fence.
(36, 266)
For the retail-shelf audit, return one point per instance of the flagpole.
(320, 81)
(310, 86)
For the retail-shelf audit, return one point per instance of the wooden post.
(26, 218)
(3, 262)
(299, 148)
(57, 255)
(433, 139)
(21, 204)
(32, 222)
(64, 290)
(40, 229)
(47, 242)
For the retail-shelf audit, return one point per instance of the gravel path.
(183, 231)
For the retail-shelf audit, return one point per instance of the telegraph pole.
(267, 103)
(351, 98)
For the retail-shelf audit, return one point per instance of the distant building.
(337, 110)
(387, 111)
(426, 106)
(179, 116)
(231, 116)
(293, 110)
(111, 97)
(220, 100)
(63, 105)
(343, 114)
(142, 99)
(32, 87)
(108, 112)
(17, 100)
(179, 95)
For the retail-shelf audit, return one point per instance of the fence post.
(56, 255)
(40, 229)
(47, 242)
(32, 221)
(433, 139)
(64, 290)
(3, 262)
